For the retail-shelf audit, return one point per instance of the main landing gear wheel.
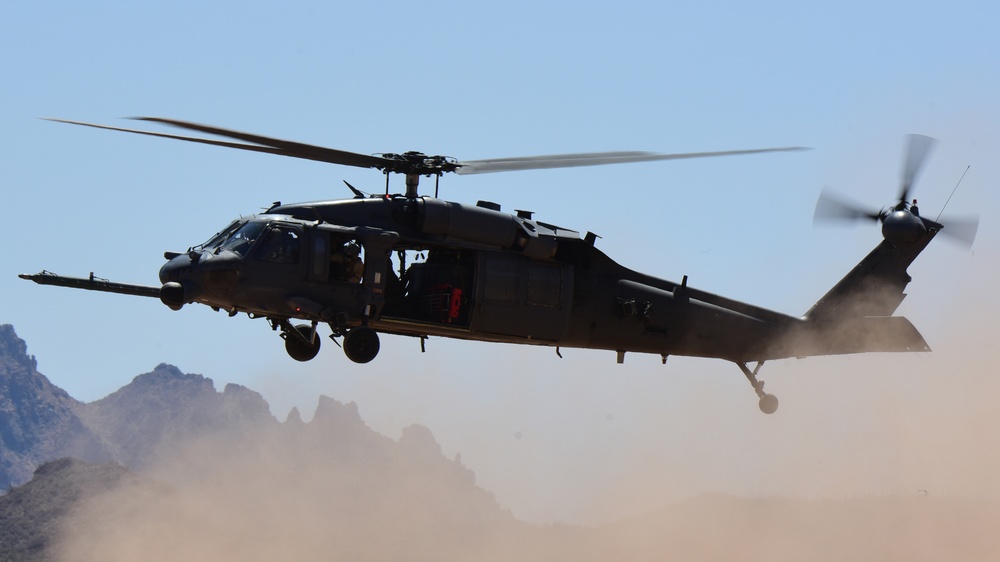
(361, 344)
(301, 343)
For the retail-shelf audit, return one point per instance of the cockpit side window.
(280, 245)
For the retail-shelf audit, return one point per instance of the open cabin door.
(350, 267)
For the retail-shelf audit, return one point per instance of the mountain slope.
(32, 516)
(38, 420)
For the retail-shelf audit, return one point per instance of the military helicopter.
(420, 266)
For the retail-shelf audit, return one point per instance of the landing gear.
(301, 342)
(361, 344)
(768, 402)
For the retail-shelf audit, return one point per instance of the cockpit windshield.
(220, 236)
(243, 238)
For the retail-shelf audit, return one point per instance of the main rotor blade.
(263, 144)
(833, 207)
(291, 148)
(919, 146)
(410, 162)
(590, 159)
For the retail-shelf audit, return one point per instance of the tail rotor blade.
(961, 230)
(918, 147)
(832, 207)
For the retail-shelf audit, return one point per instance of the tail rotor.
(901, 221)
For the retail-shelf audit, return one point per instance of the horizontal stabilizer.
(869, 334)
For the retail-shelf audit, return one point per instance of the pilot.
(346, 263)
(280, 245)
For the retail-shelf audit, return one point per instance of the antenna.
(953, 191)
(358, 194)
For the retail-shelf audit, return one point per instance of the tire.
(361, 344)
(298, 349)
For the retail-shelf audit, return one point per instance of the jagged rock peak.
(168, 368)
(330, 411)
(294, 417)
(419, 438)
(13, 347)
(249, 402)
(238, 392)
(168, 374)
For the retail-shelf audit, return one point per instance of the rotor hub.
(903, 227)
(417, 163)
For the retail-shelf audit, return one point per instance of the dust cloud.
(874, 457)
(285, 494)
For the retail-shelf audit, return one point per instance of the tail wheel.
(361, 344)
(768, 403)
(303, 343)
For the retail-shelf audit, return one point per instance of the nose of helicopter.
(198, 275)
(177, 277)
(179, 267)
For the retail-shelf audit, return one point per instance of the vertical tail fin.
(855, 316)
(875, 286)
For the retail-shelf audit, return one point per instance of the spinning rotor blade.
(262, 144)
(589, 159)
(289, 148)
(918, 148)
(410, 162)
(961, 230)
(832, 207)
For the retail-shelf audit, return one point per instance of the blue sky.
(848, 79)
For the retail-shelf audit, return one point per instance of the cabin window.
(280, 245)
(501, 279)
(544, 284)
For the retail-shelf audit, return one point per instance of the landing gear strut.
(361, 344)
(301, 342)
(768, 402)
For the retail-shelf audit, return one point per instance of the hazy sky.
(555, 439)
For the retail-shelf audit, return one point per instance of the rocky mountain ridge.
(160, 412)
(38, 420)
(189, 444)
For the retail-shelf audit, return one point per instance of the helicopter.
(414, 265)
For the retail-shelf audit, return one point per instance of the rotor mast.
(412, 181)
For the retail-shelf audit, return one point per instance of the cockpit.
(243, 238)
(238, 237)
